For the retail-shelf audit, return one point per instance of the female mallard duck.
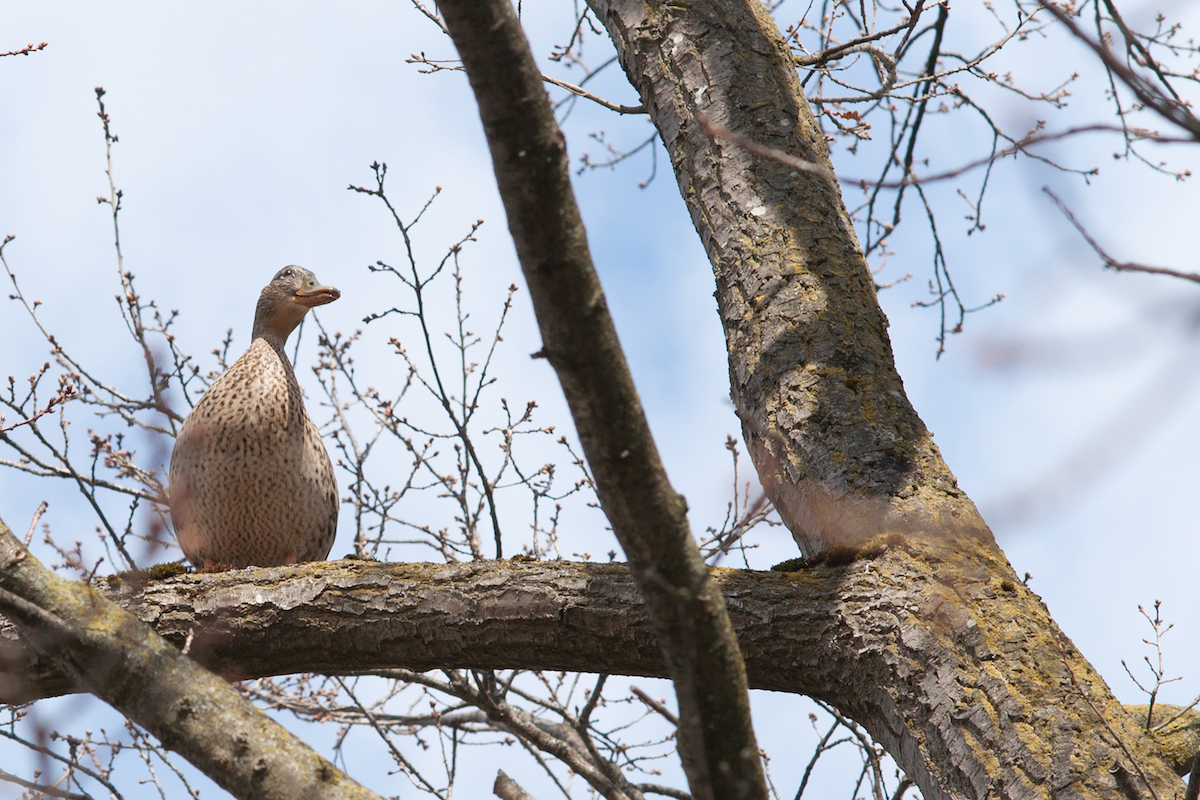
(251, 481)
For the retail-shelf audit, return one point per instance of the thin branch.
(595, 98)
(26, 50)
(1109, 261)
(40, 788)
(650, 702)
(41, 509)
(1150, 96)
(800, 165)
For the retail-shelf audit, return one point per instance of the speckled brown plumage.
(251, 481)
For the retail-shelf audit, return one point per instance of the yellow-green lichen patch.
(1036, 745)
(166, 570)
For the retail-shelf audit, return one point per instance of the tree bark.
(837, 444)
(716, 738)
(852, 635)
(507, 789)
(105, 650)
(916, 626)
(839, 448)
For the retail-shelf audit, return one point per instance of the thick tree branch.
(836, 442)
(507, 789)
(839, 448)
(850, 635)
(716, 739)
(109, 652)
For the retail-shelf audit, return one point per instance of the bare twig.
(41, 509)
(26, 50)
(1109, 261)
(40, 788)
(65, 392)
(580, 91)
(800, 165)
(662, 710)
(1169, 108)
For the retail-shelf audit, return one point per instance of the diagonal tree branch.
(836, 442)
(1109, 261)
(716, 739)
(112, 654)
(1148, 94)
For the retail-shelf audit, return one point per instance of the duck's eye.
(287, 273)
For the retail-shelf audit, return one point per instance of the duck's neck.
(274, 321)
(272, 338)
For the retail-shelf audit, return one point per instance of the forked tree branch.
(838, 446)
(716, 739)
(1148, 94)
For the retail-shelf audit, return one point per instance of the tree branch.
(850, 635)
(1109, 261)
(1149, 95)
(716, 739)
(837, 444)
(838, 447)
(507, 789)
(109, 652)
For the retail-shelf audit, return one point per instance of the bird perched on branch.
(251, 483)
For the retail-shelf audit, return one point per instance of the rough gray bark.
(716, 739)
(851, 635)
(835, 440)
(507, 789)
(838, 446)
(110, 653)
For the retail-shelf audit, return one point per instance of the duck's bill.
(317, 296)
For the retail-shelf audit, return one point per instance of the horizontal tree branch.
(847, 634)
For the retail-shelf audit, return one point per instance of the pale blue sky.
(241, 126)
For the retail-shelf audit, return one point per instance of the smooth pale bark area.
(716, 739)
(107, 651)
(987, 699)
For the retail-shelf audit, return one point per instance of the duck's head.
(286, 299)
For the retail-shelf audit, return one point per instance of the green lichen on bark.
(111, 653)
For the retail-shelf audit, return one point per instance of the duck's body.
(251, 481)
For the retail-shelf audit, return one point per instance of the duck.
(250, 481)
